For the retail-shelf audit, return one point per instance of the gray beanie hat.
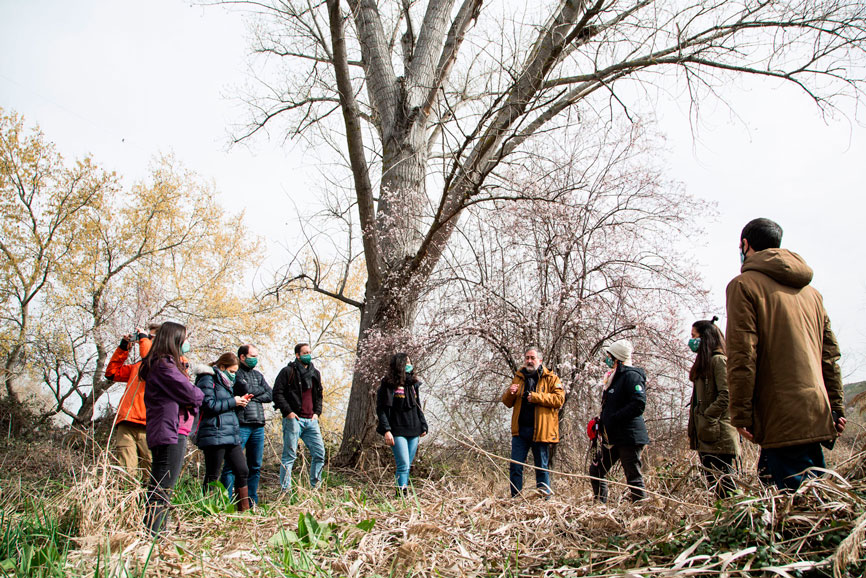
(621, 350)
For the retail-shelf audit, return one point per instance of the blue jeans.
(307, 430)
(253, 442)
(404, 454)
(787, 465)
(520, 446)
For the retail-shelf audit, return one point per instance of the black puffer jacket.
(219, 421)
(251, 381)
(622, 405)
(287, 390)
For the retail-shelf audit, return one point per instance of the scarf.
(409, 389)
(305, 375)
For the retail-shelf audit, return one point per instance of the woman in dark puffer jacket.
(219, 429)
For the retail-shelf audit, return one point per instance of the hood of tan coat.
(782, 265)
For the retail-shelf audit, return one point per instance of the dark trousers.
(166, 462)
(253, 440)
(520, 446)
(787, 465)
(214, 456)
(604, 460)
(718, 472)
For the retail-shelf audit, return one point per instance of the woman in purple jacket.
(170, 400)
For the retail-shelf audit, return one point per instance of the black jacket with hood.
(622, 406)
(218, 424)
(287, 390)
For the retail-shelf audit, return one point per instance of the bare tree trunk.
(84, 417)
(359, 430)
(386, 316)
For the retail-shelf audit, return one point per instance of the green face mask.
(609, 362)
(694, 344)
(306, 359)
(185, 347)
(409, 368)
(251, 362)
(229, 375)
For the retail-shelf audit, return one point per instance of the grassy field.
(67, 511)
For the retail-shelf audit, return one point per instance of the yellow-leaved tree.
(85, 261)
(43, 203)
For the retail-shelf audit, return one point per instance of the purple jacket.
(168, 395)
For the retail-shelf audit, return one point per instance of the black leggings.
(165, 469)
(232, 455)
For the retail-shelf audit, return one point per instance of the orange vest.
(132, 403)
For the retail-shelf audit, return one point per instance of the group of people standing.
(775, 382)
(220, 406)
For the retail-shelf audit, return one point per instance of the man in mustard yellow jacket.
(535, 394)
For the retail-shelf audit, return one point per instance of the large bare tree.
(594, 258)
(437, 96)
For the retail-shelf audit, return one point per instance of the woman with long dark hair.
(710, 430)
(171, 401)
(401, 419)
(219, 430)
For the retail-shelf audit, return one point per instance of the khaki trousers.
(131, 448)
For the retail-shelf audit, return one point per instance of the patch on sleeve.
(638, 388)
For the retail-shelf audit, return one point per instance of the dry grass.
(460, 522)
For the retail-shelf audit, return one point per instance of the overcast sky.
(125, 81)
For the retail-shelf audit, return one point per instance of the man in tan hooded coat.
(783, 372)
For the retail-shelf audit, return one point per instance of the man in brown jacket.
(783, 372)
(535, 394)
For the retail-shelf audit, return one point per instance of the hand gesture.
(241, 401)
(389, 439)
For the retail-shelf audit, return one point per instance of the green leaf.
(367, 524)
(283, 538)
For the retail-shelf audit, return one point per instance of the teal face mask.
(609, 362)
(694, 344)
(230, 375)
(251, 362)
(185, 347)
(306, 359)
(409, 368)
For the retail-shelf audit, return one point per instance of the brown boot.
(243, 499)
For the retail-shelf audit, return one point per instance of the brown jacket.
(548, 397)
(783, 371)
(710, 429)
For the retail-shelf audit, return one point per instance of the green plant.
(35, 543)
(188, 494)
(295, 548)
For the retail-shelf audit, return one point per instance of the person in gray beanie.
(623, 431)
